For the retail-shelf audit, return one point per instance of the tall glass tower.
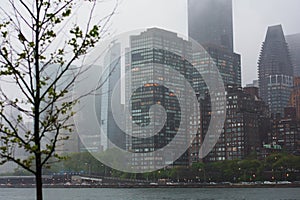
(152, 60)
(275, 71)
(210, 24)
(113, 63)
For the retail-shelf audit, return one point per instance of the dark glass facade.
(228, 64)
(151, 55)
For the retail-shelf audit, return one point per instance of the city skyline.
(250, 21)
(180, 96)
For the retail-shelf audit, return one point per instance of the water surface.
(154, 194)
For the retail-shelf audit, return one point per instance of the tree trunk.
(38, 157)
(38, 178)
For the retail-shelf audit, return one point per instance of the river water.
(155, 194)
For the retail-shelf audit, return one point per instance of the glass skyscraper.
(228, 64)
(111, 76)
(152, 56)
(275, 71)
(210, 24)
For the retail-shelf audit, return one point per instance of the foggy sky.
(251, 19)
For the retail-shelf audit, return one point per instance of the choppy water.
(155, 194)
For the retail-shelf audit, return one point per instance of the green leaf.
(66, 13)
(21, 37)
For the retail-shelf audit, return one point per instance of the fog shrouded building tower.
(111, 76)
(211, 25)
(275, 71)
(294, 47)
(210, 22)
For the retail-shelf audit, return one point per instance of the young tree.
(37, 72)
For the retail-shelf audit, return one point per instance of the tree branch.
(11, 158)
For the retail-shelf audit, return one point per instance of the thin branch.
(13, 128)
(19, 14)
(52, 148)
(17, 73)
(11, 158)
(57, 12)
(28, 9)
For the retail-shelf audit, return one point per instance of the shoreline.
(159, 186)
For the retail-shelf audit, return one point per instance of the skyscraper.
(152, 59)
(294, 47)
(109, 80)
(275, 71)
(210, 22)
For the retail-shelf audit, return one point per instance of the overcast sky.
(251, 19)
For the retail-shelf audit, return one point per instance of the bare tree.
(37, 72)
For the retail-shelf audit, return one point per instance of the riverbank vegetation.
(276, 167)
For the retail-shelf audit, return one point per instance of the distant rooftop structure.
(253, 84)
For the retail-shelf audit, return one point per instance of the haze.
(251, 19)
